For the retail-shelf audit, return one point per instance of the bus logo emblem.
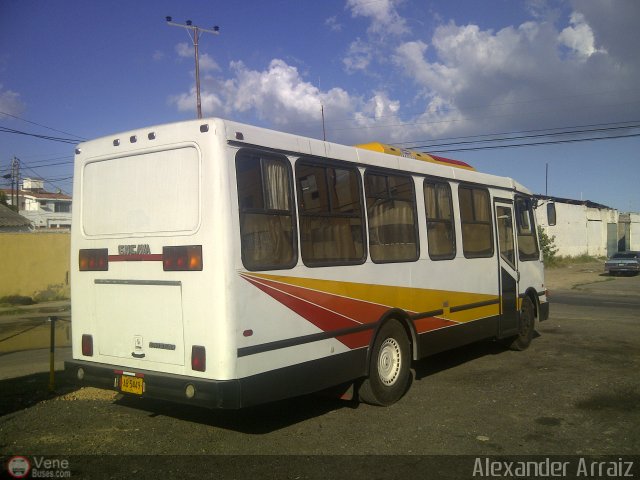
(142, 249)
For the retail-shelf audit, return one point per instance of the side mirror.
(551, 214)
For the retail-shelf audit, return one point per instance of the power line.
(41, 125)
(511, 136)
(534, 144)
(42, 137)
(522, 132)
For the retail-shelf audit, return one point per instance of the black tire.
(526, 326)
(389, 366)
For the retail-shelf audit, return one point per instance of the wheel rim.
(389, 361)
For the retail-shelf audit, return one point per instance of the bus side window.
(527, 240)
(475, 219)
(440, 223)
(266, 218)
(391, 210)
(331, 214)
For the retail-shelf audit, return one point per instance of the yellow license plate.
(132, 384)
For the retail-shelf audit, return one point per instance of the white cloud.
(278, 94)
(281, 95)
(358, 56)
(10, 102)
(614, 24)
(579, 36)
(383, 15)
(184, 50)
(333, 24)
(206, 62)
(516, 77)
(462, 79)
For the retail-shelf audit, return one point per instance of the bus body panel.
(267, 334)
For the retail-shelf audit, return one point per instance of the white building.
(44, 209)
(588, 228)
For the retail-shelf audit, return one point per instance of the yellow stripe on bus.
(410, 299)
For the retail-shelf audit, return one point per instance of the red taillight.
(198, 358)
(93, 259)
(182, 258)
(87, 345)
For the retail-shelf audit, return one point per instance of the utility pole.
(15, 178)
(546, 179)
(196, 33)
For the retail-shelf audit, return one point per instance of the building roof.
(586, 203)
(9, 218)
(40, 195)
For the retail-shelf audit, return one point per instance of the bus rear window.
(154, 192)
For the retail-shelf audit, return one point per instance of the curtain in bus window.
(277, 185)
(331, 220)
(391, 213)
(440, 229)
(475, 220)
(266, 220)
(266, 240)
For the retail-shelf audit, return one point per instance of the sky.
(442, 76)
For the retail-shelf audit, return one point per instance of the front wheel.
(389, 367)
(526, 326)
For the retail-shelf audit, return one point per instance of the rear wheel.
(389, 367)
(526, 326)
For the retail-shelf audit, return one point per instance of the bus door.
(509, 275)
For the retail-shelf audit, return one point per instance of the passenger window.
(527, 235)
(266, 217)
(391, 211)
(331, 214)
(440, 226)
(475, 219)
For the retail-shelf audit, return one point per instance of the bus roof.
(374, 153)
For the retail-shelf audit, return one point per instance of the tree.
(548, 246)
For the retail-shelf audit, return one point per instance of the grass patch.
(11, 300)
(562, 261)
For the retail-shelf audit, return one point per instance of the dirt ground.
(575, 276)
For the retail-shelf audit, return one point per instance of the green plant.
(548, 246)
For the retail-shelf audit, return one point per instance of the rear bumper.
(162, 386)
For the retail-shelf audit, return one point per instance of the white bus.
(225, 265)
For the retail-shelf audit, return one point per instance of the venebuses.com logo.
(20, 466)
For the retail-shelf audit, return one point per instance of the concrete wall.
(579, 230)
(634, 234)
(35, 265)
(629, 231)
